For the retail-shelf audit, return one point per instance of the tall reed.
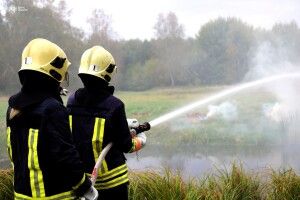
(234, 183)
(6, 184)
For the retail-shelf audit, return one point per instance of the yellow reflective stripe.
(62, 196)
(70, 122)
(35, 173)
(94, 139)
(80, 183)
(104, 164)
(110, 174)
(115, 172)
(101, 184)
(97, 142)
(113, 183)
(8, 143)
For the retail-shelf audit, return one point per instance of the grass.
(6, 184)
(284, 185)
(225, 184)
(234, 183)
(151, 185)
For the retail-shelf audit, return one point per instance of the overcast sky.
(136, 18)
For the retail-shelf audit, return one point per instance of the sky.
(133, 19)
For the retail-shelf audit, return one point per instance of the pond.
(196, 162)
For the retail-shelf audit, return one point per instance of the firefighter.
(98, 118)
(45, 161)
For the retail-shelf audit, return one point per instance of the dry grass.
(6, 184)
(232, 184)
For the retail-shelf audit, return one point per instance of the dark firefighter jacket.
(98, 118)
(45, 161)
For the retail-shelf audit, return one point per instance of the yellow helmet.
(46, 57)
(98, 62)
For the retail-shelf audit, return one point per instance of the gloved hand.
(133, 123)
(137, 133)
(143, 138)
(91, 194)
(139, 142)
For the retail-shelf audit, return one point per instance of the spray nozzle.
(142, 127)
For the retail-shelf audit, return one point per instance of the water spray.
(146, 126)
(217, 96)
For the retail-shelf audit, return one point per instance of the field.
(248, 128)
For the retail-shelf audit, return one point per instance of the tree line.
(222, 52)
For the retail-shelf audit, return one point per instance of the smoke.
(272, 58)
(226, 111)
(277, 112)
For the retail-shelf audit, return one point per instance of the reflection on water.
(198, 161)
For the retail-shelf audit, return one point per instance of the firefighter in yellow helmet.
(45, 161)
(98, 118)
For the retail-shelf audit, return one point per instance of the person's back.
(96, 121)
(98, 118)
(35, 149)
(46, 163)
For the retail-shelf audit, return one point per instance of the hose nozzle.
(142, 127)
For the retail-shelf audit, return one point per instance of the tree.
(101, 28)
(168, 49)
(287, 40)
(131, 54)
(225, 45)
(5, 52)
(37, 20)
(168, 27)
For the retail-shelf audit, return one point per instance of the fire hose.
(137, 128)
